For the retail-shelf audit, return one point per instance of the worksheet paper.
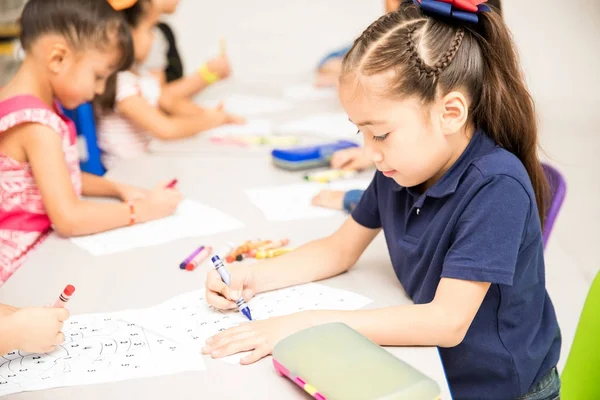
(98, 348)
(332, 125)
(189, 320)
(309, 92)
(250, 105)
(293, 202)
(192, 219)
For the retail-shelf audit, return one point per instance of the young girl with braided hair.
(460, 196)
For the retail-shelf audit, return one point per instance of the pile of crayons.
(197, 257)
(258, 249)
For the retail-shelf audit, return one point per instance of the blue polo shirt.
(479, 222)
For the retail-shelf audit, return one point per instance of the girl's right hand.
(159, 203)
(352, 159)
(223, 297)
(37, 330)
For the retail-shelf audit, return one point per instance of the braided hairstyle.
(428, 57)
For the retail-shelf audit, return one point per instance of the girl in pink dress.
(71, 47)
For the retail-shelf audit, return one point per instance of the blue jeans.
(548, 388)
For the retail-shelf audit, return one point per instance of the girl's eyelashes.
(380, 138)
(375, 138)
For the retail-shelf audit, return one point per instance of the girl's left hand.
(258, 336)
(128, 192)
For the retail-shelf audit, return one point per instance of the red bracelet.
(132, 217)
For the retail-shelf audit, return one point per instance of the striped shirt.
(118, 137)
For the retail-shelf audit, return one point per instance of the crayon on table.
(245, 248)
(190, 257)
(330, 175)
(271, 253)
(270, 246)
(199, 259)
(64, 296)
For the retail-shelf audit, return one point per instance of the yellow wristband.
(207, 75)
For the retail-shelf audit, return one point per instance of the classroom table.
(144, 277)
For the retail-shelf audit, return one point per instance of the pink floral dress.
(24, 223)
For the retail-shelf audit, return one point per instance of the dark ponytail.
(505, 109)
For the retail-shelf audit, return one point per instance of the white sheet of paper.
(293, 202)
(98, 348)
(192, 219)
(334, 125)
(309, 92)
(258, 127)
(250, 105)
(189, 320)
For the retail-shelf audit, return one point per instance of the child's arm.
(34, 330)
(5, 310)
(191, 85)
(186, 87)
(184, 107)
(166, 127)
(97, 186)
(444, 322)
(70, 215)
(317, 260)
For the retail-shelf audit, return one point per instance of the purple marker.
(190, 257)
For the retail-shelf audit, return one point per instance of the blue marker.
(241, 303)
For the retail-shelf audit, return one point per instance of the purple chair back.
(558, 190)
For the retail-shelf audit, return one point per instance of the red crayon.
(199, 259)
(64, 296)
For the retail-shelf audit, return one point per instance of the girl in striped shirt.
(133, 110)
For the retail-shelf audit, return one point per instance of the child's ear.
(455, 112)
(57, 57)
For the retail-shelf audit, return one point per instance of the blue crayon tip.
(246, 312)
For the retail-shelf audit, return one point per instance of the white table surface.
(144, 277)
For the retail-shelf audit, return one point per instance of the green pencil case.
(334, 362)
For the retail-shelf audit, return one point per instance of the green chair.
(581, 375)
